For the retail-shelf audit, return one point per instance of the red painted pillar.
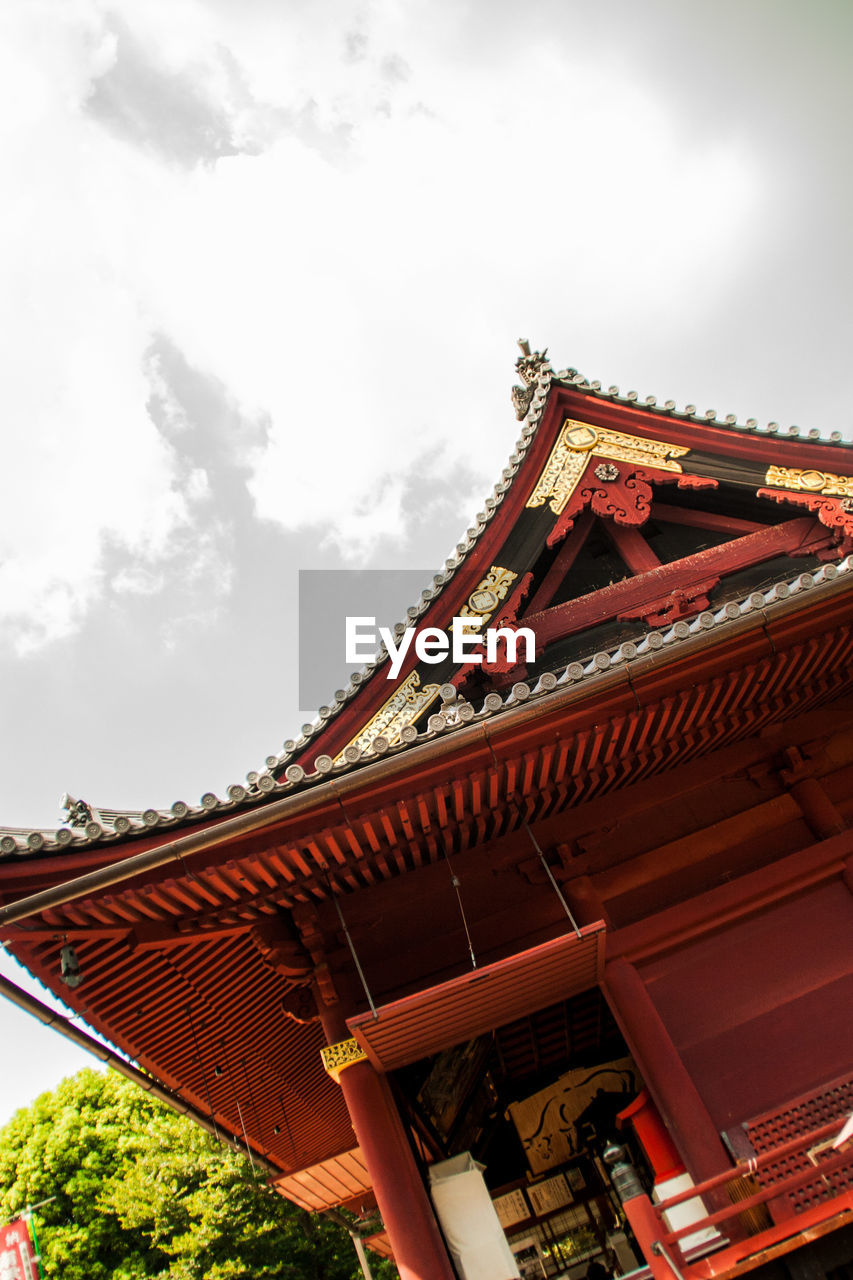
(668, 1080)
(647, 1231)
(419, 1250)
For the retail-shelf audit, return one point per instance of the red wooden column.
(669, 1082)
(419, 1250)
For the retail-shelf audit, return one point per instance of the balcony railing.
(754, 1207)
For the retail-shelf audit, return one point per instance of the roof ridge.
(571, 378)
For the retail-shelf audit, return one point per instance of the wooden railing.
(739, 1240)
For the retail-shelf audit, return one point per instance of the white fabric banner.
(471, 1228)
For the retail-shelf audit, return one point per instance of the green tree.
(142, 1192)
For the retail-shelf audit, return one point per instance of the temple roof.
(199, 929)
(296, 768)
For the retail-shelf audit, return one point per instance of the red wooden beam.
(676, 926)
(632, 547)
(630, 598)
(674, 856)
(566, 557)
(704, 519)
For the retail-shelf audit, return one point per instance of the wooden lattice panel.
(833, 1102)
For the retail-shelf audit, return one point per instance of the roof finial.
(78, 811)
(528, 366)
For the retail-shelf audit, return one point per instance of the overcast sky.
(263, 266)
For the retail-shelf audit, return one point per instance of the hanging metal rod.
(454, 880)
(550, 874)
(353, 953)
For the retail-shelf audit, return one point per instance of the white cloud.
(362, 305)
(364, 302)
(82, 460)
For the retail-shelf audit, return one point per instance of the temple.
(547, 960)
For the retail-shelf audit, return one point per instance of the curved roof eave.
(675, 641)
(264, 786)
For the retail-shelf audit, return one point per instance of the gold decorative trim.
(337, 1057)
(577, 441)
(809, 481)
(488, 593)
(403, 707)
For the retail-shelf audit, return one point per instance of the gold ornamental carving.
(488, 593)
(337, 1057)
(403, 707)
(810, 481)
(570, 454)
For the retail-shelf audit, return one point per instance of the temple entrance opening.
(536, 1102)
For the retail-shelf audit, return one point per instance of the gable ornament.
(528, 366)
(577, 441)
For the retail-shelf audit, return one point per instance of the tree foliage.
(139, 1191)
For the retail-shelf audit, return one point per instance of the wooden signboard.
(545, 1122)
